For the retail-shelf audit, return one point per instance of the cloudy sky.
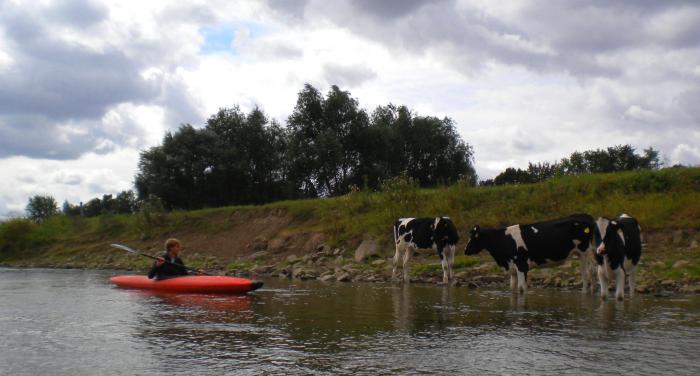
(85, 85)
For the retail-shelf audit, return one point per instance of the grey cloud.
(293, 9)
(67, 179)
(689, 106)
(29, 179)
(201, 13)
(389, 9)
(275, 50)
(78, 12)
(561, 37)
(38, 137)
(55, 93)
(179, 104)
(65, 82)
(347, 76)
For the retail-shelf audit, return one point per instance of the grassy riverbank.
(318, 238)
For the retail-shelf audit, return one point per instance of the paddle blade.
(123, 248)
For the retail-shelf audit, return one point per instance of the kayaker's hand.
(160, 262)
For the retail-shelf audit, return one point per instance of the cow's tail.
(396, 232)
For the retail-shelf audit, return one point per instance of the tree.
(40, 208)
(235, 159)
(125, 202)
(612, 159)
(426, 148)
(93, 208)
(329, 145)
(176, 170)
(324, 141)
(109, 205)
(248, 164)
(70, 210)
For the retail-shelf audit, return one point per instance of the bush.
(16, 236)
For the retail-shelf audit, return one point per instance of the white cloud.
(686, 155)
(89, 84)
(90, 176)
(638, 113)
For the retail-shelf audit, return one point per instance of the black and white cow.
(425, 233)
(619, 248)
(515, 248)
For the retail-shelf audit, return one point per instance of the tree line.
(329, 145)
(612, 159)
(41, 207)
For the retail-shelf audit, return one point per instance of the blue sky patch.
(219, 38)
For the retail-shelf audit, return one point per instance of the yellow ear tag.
(586, 230)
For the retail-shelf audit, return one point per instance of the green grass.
(669, 270)
(239, 266)
(665, 199)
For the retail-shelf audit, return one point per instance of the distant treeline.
(328, 146)
(124, 203)
(612, 159)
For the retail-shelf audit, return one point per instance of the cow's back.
(633, 237)
(416, 231)
(554, 240)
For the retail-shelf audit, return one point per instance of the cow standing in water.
(515, 247)
(425, 233)
(619, 249)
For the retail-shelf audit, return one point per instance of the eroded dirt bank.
(275, 244)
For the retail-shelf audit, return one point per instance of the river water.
(73, 322)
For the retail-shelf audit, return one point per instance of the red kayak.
(189, 284)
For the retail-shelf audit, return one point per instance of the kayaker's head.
(173, 247)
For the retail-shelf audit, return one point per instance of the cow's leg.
(408, 252)
(632, 271)
(584, 273)
(444, 263)
(451, 260)
(513, 271)
(619, 283)
(447, 259)
(587, 270)
(603, 280)
(397, 256)
(522, 267)
(522, 281)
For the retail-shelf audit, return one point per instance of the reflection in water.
(209, 302)
(49, 319)
(517, 301)
(402, 307)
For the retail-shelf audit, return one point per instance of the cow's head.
(474, 245)
(611, 238)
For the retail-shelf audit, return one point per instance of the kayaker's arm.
(157, 265)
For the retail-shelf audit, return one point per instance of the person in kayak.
(170, 264)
